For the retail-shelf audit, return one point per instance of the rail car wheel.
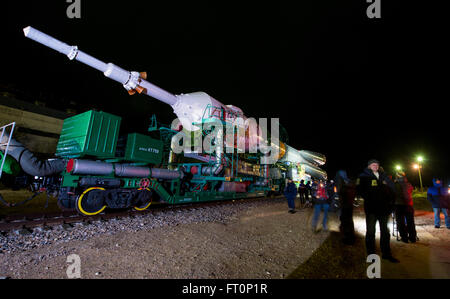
(145, 199)
(91, 201)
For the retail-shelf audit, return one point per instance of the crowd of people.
(384, 196)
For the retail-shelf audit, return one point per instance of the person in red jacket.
(404, 211)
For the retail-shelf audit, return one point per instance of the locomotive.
(98, 166)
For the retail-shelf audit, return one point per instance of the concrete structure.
(37, 127)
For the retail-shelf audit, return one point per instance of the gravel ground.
(241, 240)
(428, 258)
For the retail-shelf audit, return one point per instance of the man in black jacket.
(377, 190)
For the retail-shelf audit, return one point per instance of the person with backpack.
(346, 191)
(320, 201)
(438, 197)
(404, 211)
(290, 191)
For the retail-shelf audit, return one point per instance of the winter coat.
(346, 189)
(321, 195)
(302, 188)
(378, 194)
(330, 190)
(436, 194)
(403, 192)
(290, 191)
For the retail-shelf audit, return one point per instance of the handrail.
(3, 129)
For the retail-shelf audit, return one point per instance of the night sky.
(342, 84)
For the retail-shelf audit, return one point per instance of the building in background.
(37, 127)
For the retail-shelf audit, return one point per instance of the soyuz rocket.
(189, 108)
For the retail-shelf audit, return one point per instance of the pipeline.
(88, 167)
(31, 164)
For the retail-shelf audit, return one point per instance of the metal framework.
(3, 130)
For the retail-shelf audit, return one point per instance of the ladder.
(3, 129)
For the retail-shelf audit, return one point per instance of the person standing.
(377, 190)
(346, 191)
(291, 193)
(332, 197)
(302, 192)
(320, 200)
(404, 211)
(436, 195)
(308, 190)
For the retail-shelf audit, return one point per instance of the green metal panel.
(93, 133)
(143, 148)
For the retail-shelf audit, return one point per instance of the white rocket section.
(126, 78)
(64, 48)
(190, 108)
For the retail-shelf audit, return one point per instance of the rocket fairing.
(189, 108)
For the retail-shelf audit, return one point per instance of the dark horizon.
(343, 85)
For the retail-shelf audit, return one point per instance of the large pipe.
(124, 170)
(76, 166)
(29, 163)
(89, 167)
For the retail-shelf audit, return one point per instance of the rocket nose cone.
(26, 30)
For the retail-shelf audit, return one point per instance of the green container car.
(89, 134)
(142, 148)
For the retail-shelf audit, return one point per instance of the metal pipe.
(88, 167)
(124, 170)
(31, 164)
(166, 174)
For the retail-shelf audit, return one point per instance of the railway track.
(29, 222)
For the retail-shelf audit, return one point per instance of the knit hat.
(373, 161)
